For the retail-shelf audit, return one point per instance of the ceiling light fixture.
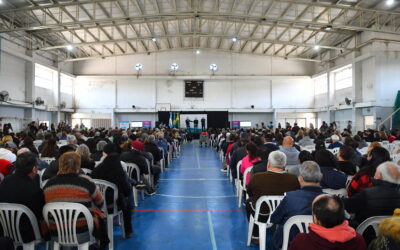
(154, 39)
(234, 39)
(316, 47)
(197, 52)
(390, 2)
(69, 46)
(213, 67)
(174, 67)
(138, 67)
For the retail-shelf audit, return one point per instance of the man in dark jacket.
(151, 147)
(344, 163)
(268, 144)
(20, 188)
(297, 202)
(134, 156)
(380, 199)
(330, 230)
(238, 154)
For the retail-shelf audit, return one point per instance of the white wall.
(192, 64)
(15, 64)
(241, 81)
(255, 118)
(236, 95)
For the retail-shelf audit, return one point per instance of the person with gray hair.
(380, 199)
(71, 140)
(150, 145)
(275, 181)
(96, 156)
(86, 161)
(297, 202)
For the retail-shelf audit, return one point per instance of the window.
(343, 78)
(44, 76)
(66, 84)
(321, 84)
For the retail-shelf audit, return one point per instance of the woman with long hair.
(86, 161)
(50, 148)
(363, 178)
(28, 143)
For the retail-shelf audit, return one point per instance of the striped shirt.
(78, 189)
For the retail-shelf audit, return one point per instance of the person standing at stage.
(195, 124)
(203, 124)
(187, 123)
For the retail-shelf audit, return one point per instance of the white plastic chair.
(103, 187)
(162, 160)
(339, 192)
(301, 221)
(37, 143)
(348, 181)
(242, 187)
(273, 202)
(86, 171)
(132, 169)
(336, 150)
(229, 170)
(396, 158)
(65, 215)
(10, 215)
(48, 160)
(41, 181)
(237, 180)
(149, 176)
(372, 221)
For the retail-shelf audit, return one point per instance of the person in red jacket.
(330, 230)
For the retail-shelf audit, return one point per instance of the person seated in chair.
(111, 170)
(275, 181)
(297, 202)
(69, 186)
(335, 142)
(330, 229)
(292, 154)
(331, 177)
(344, 163)
(382, 198)
(20, 188)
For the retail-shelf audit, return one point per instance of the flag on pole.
(178, 118)
(170, 120)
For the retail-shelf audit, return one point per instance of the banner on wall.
(124, 124)
(236, 124)
(146, 124)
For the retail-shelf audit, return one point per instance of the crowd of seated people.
(303, 164)
(68, 161)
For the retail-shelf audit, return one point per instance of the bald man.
(292, 154)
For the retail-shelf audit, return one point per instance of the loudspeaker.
(133, 106)
(252, 106)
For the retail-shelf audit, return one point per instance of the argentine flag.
(170, 119)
